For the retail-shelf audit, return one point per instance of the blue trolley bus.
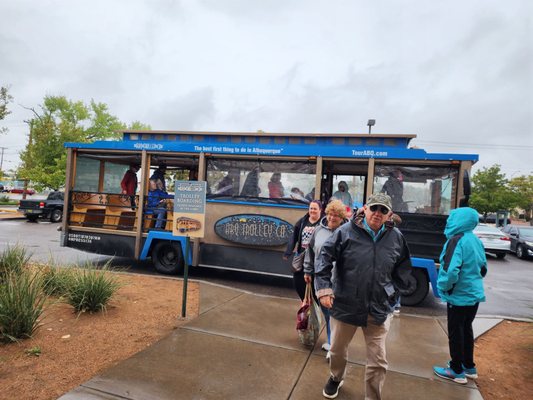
(247, 224)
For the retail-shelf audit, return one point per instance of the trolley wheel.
(167, 258)
(32, 218)
(420, 279)
(56, 215)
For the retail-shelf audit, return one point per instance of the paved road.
(509, 283)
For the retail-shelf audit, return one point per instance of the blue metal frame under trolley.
(259, 184)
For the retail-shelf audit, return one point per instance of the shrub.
(13, 260)
(91, 289)
(22, 302)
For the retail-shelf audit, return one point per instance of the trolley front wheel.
(167, 258)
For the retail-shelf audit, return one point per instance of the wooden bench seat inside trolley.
(88, 209)
(118, 213)
(99, 210)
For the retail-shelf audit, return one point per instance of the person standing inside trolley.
(275, 187)
(129, 183)
(299, 241)
(343, 194)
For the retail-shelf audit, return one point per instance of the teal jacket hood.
(461, 220)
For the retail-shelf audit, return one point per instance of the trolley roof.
(312, 144)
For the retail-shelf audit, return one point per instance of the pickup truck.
(51, 208)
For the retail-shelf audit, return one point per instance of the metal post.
(185, 278)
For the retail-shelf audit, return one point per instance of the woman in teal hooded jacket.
(463, 265)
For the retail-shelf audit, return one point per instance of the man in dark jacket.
(372, 269)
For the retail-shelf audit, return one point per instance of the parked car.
(51, 208)
(494, 241)
(521, 239)
(491, 219)
(22, 191)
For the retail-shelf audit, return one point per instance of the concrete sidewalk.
(244, 346)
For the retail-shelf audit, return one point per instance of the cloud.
(448, 71)
(191, 111)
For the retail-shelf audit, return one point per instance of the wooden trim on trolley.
(202, 170)
(101, 176)
(140, 206)
(318, 178)
(465, 166)
(370, 178)
(68, 180)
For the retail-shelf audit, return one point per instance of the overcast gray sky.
(457, 73)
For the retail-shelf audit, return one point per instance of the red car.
(21, 191)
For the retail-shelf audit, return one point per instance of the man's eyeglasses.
(382, 209)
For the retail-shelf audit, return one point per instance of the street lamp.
(370, 123)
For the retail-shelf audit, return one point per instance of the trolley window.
(421, 190)
(260, 180)
(87, 174)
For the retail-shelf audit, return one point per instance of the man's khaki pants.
(376, 358)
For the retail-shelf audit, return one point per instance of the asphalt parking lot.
(508, 285)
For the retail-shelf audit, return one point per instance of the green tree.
(522, 188)
(490, 191)
(5, 99)
(61, 120)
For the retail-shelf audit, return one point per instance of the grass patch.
(34, 351)
(22, 302)
(13, 260)
(56, 280)
(6, 201)
(91, 289)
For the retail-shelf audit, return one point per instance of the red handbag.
(307, 319)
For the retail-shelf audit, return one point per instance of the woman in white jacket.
(335, 217)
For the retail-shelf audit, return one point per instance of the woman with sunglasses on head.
(335, 217)
(298, 243)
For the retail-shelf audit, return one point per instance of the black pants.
(461, 336)
(299, 285)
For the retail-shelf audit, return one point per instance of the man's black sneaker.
(331, 390)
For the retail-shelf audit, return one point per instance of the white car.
(495, 241)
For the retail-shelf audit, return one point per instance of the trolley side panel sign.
(254, 229)
(189, 209)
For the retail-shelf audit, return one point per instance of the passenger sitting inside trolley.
(155, 203)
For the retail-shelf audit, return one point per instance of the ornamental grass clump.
(56, 280)
(22, 302)
(91, 289)
(13, 260)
